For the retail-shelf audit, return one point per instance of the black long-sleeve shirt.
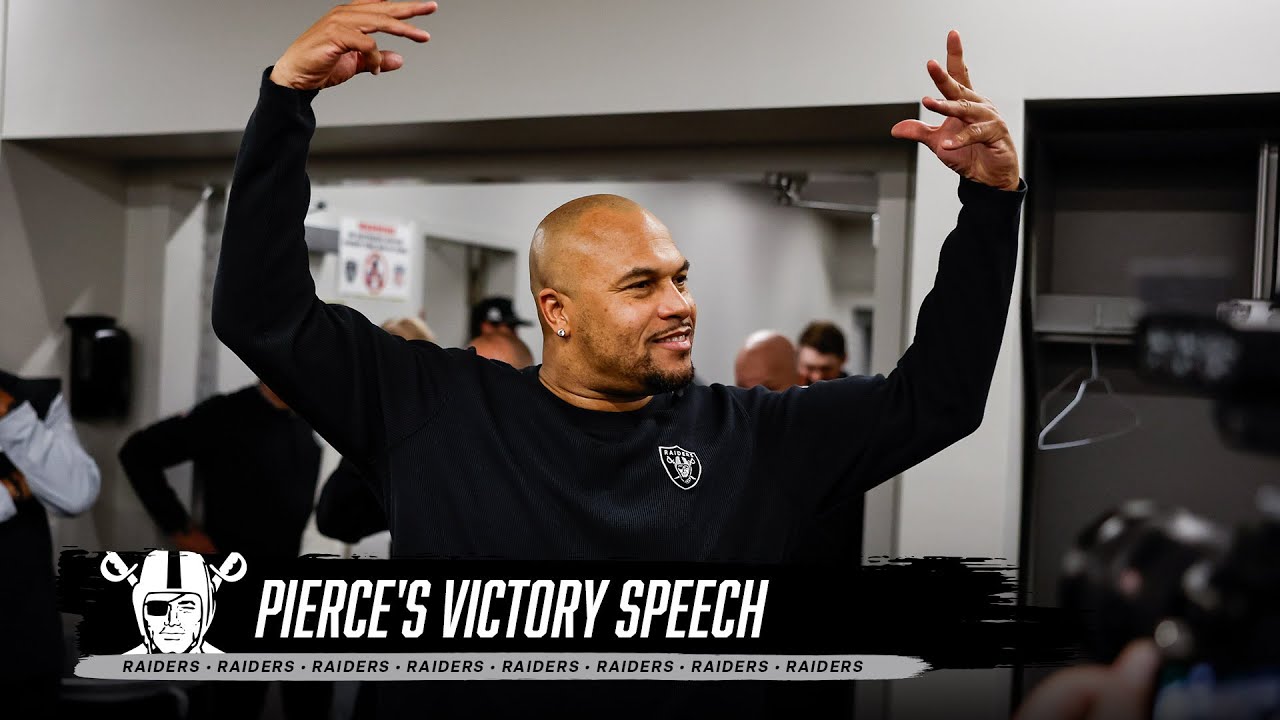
(257, 465)
(347, 509)
(474, 458)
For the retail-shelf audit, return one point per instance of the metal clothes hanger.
(1094, 377)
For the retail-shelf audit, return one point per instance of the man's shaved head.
(572, 230)
(604, 271)
(767, 358)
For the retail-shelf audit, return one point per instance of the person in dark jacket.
(606, 450)
(255, 463)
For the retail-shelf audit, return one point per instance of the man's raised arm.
(938, 392)
(327, 362)
(861, 431)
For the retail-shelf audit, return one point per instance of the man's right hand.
(194, 540)
(338, 46)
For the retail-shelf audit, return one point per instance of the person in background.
(503, 348)
(42, 465)
(254, 459)
(494, 316)
(767, 358)
(409, 328)
(256, 463)
(822, 353)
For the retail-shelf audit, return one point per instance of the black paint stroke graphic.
(951, 612)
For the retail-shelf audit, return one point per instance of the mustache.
(686, 327)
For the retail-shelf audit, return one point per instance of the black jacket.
(473, 458)
(256, 464)
(348, 510)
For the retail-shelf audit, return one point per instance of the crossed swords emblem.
(114, 569)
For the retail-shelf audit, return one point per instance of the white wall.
(162, 258)
(447, 294)
(156, 66)
(851, 271)
(61, 253)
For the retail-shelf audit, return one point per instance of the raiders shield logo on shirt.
(682, 466)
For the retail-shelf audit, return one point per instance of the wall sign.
(374, 259)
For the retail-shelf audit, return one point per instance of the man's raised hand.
(973, 140)
(341, 44)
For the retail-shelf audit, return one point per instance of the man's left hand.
(973, 140)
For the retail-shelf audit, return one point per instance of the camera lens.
(1125, 572)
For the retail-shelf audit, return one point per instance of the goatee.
(657, 382)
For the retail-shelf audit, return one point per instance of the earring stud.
(560, 332)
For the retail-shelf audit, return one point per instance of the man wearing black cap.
(494, 316)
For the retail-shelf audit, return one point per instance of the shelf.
(1085, 338)
(1088, 316)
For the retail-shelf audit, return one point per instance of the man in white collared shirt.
(42, 465)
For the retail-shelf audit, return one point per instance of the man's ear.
(551, 305)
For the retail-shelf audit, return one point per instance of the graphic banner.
(179, 615)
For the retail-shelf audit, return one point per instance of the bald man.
(767, 358)
(503, 348)
(612, 453)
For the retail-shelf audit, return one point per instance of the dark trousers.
(246, 700)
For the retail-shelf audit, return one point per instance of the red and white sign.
(375, 259)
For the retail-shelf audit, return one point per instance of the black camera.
(1233, 356)
(1209, 595)
(1126, 571)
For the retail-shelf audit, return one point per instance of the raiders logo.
(682, 466)
(173, 597)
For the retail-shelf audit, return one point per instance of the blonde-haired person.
(409, 328)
